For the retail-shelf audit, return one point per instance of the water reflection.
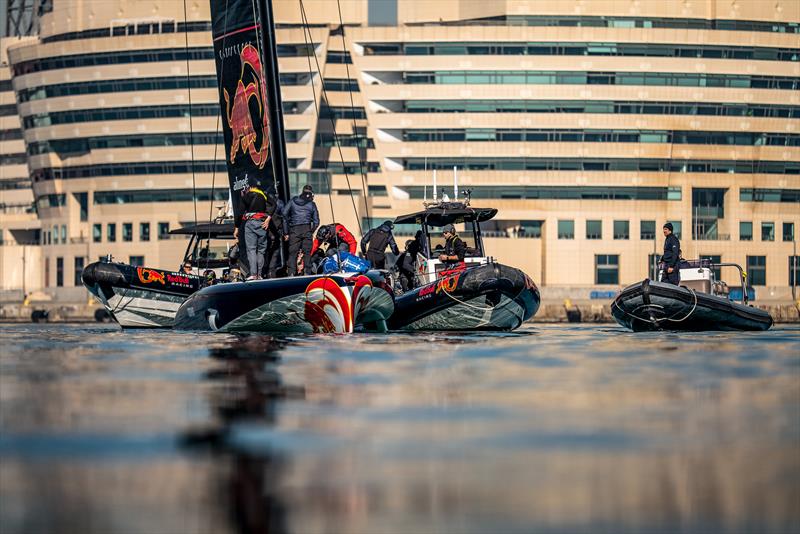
(556, 429)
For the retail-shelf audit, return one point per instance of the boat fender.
(646, 291)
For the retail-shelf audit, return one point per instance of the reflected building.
(588, 124)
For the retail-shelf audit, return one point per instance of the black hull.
(138, 297)
(649, 306)
(304, 304)
(487, 297)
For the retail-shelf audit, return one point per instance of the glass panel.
(745, 231)
(621, 230)
(594, 229)
(788, 231)
(647, 230)
(566, 229)
(767, 231)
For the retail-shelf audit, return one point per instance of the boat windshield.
(464, 230)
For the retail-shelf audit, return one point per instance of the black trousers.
(377, 259)
(300, 239)
(673, 278)
(274, 258)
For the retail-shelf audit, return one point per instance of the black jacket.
(455, 247)
(256, 201)
(672, 251)
(300, 211)
(377, 239)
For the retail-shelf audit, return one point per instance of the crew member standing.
(672, 254)
(256, 215)
(300, 220)
(454, 249)
(275, 234)
(374, 243)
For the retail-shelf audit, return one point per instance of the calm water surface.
(550, 429)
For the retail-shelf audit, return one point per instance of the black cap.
(308, 189)
(668, 226)
(390, 224)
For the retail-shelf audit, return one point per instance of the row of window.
(10, 134)
(767, 231)
(7, 110)
(348, 167)
(14, 183)
(115, 114)
(560, 192)
(602, 136)
(580, 49)
(160, 195)
(127, 232)
(128, 169)
(607, 164)
(140, 28)
(12, 159)
(522, 77)
(589, 21)
(600, 106)
(136, 85)
(340, 84)
(647, 230)
(769, 195)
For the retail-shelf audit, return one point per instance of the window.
(163, 230)
(767, 231)
(745, 231)
(794, 270)
(144, 231)
(127, 231)
(60, 272)
(83, 203)
(136, 261)
(47, 272)
(111, 232)
(788, 231)
(566, 229)
(64, 234)
(647, 230)
(622, 230)
(97, 232)
(78, 271)
(757, 270)
(606, 269)
(594, 229)
(55, 234)
(676, 228)
(714, 259)
(530, 229)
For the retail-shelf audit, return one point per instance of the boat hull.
(650, 305)
(339, 303)
(487, 297)
(138, 297)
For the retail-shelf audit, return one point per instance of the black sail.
(249, 96)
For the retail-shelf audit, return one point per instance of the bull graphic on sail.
(238, 113)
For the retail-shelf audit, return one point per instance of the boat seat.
(702, 286)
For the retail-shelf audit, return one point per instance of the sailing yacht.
(249, 93)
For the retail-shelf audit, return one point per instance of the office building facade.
(587, 124)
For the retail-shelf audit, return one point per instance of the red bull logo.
(148, 276)
(238, 112)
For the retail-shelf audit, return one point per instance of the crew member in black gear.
(300, 221)
(275, 243)
(454, 248)
(257, 211)
(672, 254)
(405, 266)
(374, 243)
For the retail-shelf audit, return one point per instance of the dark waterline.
(555, 428)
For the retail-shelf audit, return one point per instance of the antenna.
(434, 185)
(455, 183)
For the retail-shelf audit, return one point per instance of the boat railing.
(742, 275)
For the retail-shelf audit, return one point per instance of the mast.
(249, 96)
(269, 50)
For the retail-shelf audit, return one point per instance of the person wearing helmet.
(334, 235)
(406, 266)
(374, 243)
(454, 249)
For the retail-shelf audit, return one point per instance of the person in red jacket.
(336, 236)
